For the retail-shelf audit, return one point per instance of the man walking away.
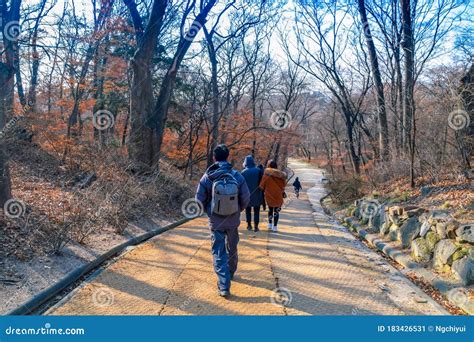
(252, 176)
(224, 195)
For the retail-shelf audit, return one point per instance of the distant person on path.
(273, 184)
(224, 195)
(253, 175)
(297, 186)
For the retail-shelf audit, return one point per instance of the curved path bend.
(313, 266)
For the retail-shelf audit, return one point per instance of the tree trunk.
(409, 70)
(160, 113)
(141, 143)
(354, 157)
(6, 74)
(376, 75)
(215, 95)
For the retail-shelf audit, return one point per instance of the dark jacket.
(204, 194)
(297, 184)
(252, 176)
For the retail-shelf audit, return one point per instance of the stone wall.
(434, 238)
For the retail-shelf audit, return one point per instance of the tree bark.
(376, 75)
(6, 74)
(160, 113)
(408, 46)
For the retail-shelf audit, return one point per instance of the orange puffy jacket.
(273, 184)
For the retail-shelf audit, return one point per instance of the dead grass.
(58, 211)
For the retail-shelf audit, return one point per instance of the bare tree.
(321, 42)
(379, 88)
(9, 25)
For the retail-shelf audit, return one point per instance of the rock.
(420, 300)
(441, 229)
(394, 214)
(395, 211)
(451, 228)
(431, 239)
(443, 251)
(459, 254)
(425, 190)
(425, 228)
(385, 227)
(357, 212)
(463, 269)
(413, 211)
(393, 232)
(465, 233)
(378, 220)
(436, 216)
(420, 251)
(364, 220)
(408, 231)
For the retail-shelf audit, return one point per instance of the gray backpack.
(225, 195)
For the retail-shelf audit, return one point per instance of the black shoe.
(256, 229)
(249, 227)
(232, 276)
(224, 293)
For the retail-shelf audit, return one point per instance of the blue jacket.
(252, 176)
(204, 194)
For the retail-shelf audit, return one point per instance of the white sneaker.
(275, 229)
(270, 226)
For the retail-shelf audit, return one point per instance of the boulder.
(443, 251)
(441, 229)
(357, 212)
(413, 211)
(364, 220)
(420, 251)
(451, 228)
(385, 227)
(436, 216)
(408, 231)
(395, 211)
(432, 239)
(465, 233)
(394, 214)
(393, 232)
(463, 269)
(378, 220)
(459, 254)
(425, 228)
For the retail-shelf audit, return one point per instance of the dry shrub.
(61, 209)
(345, 188)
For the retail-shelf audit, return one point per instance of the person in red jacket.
(273, 185)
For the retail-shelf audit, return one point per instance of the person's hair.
(221, 153)
(272, 164)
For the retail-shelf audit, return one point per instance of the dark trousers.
(256, 215)
(224, 252)
(274, 215)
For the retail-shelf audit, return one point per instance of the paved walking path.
(311, 267)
